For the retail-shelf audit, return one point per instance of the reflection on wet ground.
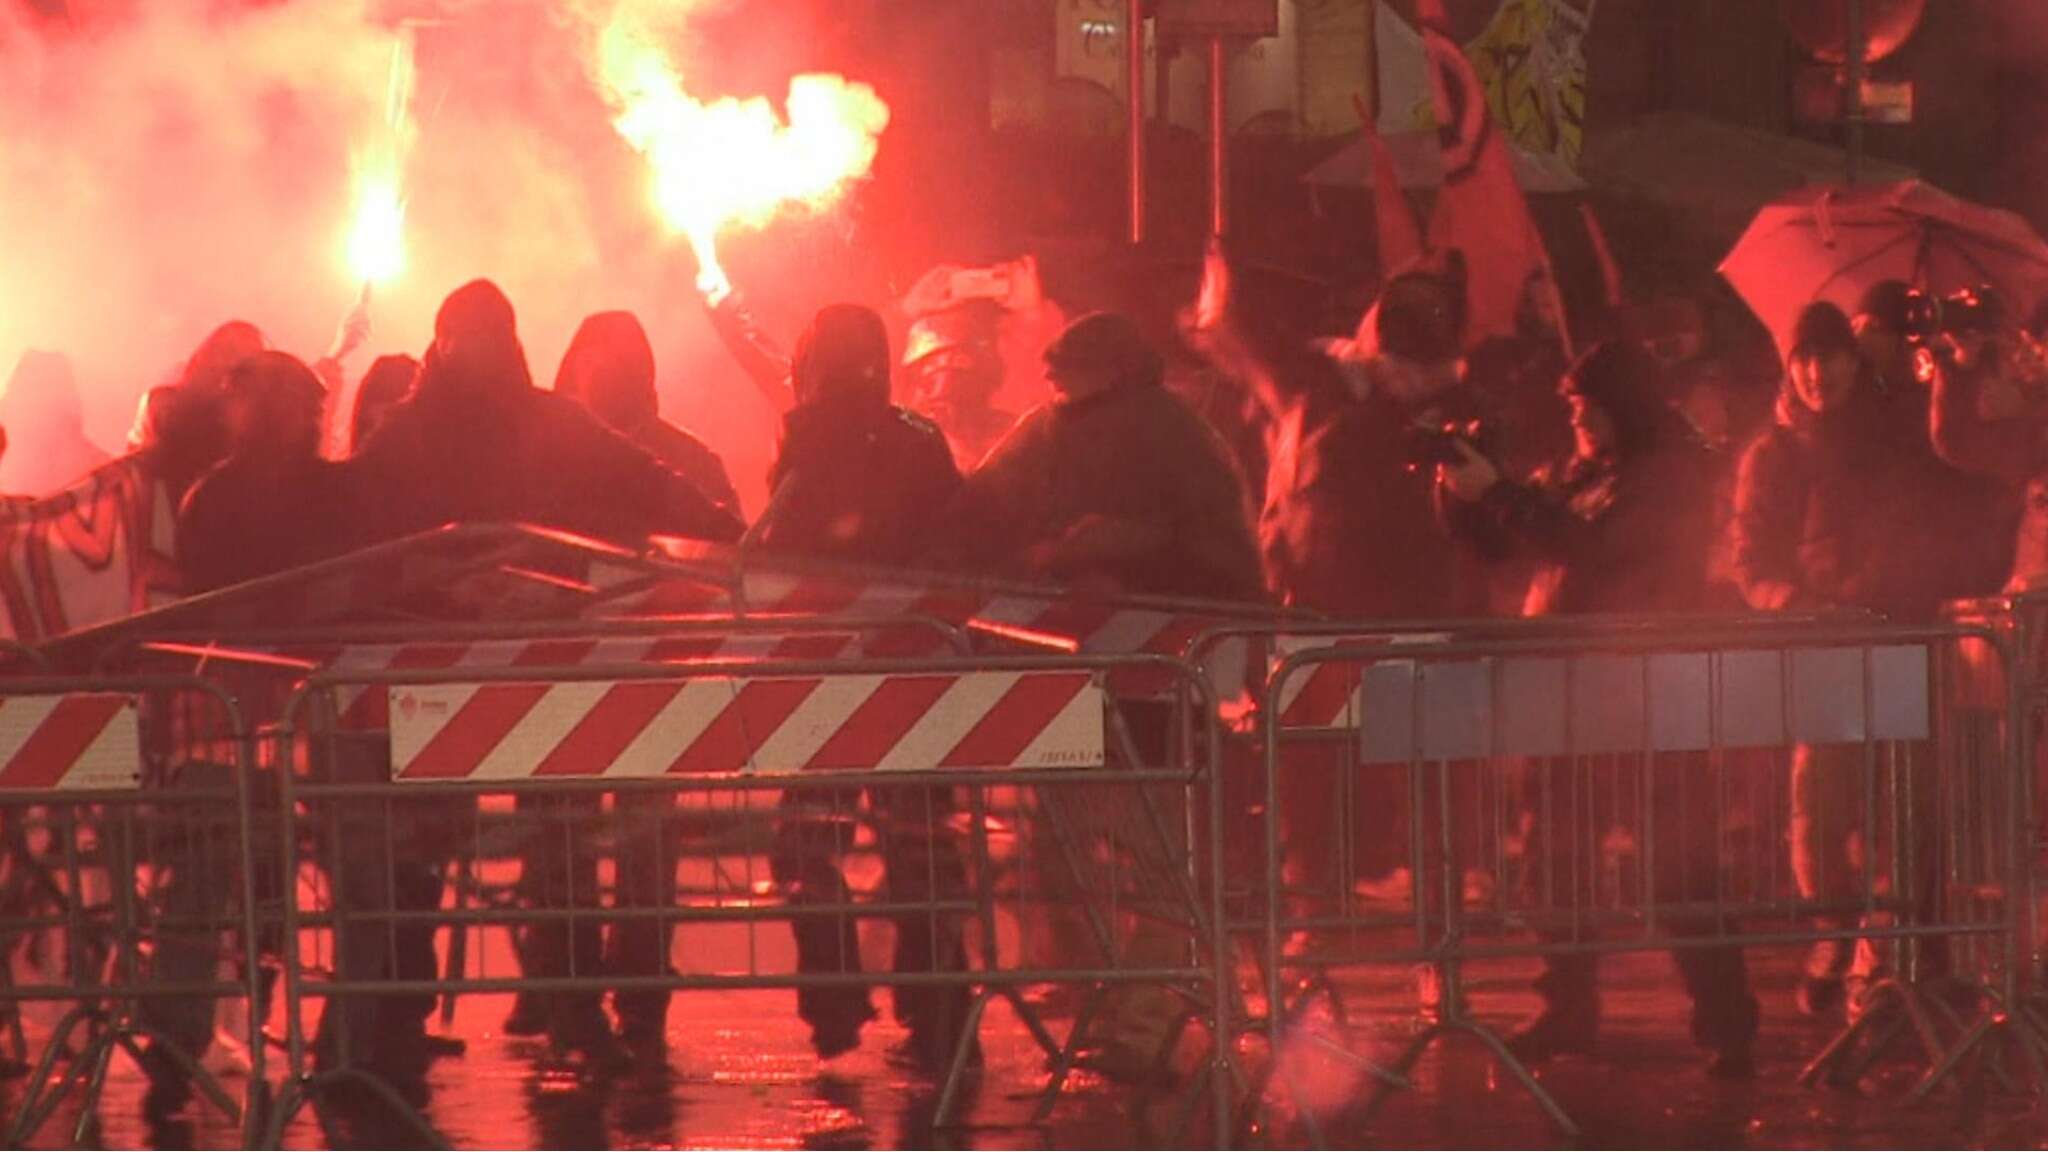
(741, 1075)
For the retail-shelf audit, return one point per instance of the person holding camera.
(1984, 421)
(1625, 525)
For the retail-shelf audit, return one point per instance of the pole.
(1859, 48)
(1134, 123)
(1219, 140)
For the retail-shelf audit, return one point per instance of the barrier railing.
(928, 742)
(130, 844)
(1621, 789)
(1571, 788)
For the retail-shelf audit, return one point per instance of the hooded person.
(857, 479)
(477, 442)
(264, 509)
(1627, 524)
(182, 427)
(270, 505)
(610, 368)
(45, 421)
(1116, 485)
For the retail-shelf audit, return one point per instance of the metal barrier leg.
(957, 1073)
(1456, 1021)
(1893, 1006)
(86, 1132)
(1069, 1054)
(36, 1100)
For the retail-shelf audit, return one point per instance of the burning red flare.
(733, 162)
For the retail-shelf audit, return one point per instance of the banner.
(97, 552)
(1531, 63)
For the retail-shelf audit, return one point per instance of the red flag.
(1480, 209)
(1399, 235)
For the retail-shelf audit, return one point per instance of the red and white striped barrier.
(784, 724)
(67, 743)
(362, 708)
(1326, 695)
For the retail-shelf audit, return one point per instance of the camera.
(1972, 311)
(1430, 446)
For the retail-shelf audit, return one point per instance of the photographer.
(1625, 525)
(1984, 422)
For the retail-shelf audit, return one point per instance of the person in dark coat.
(262, 511)
(477, 442)
(1627, 525)
(610, 367)
(1837, 504)
(857, 479)
(1844, 505)
(1339, 488)
(268, 507)
(1115, 486)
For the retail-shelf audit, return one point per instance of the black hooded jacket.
(477, 442)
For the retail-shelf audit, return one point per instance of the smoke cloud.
(169, 164)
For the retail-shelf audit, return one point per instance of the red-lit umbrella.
(1834, 243)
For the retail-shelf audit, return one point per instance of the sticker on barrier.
(75, 742)
(652, 728)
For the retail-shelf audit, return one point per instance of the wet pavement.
(741, 1075)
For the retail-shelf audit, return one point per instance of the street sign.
(1195, 19)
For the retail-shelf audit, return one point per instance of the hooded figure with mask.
(857, 479)
(610, 367)
(1627, 525)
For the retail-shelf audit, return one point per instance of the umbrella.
(1834, 243)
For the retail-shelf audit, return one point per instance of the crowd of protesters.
(1402, 474)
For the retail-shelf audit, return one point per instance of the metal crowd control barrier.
(1623, 789)
(929, 742)
(2012, 703)
(131, 846)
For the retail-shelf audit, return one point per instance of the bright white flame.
(376, 244)
(376, 240)
(733, 162)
